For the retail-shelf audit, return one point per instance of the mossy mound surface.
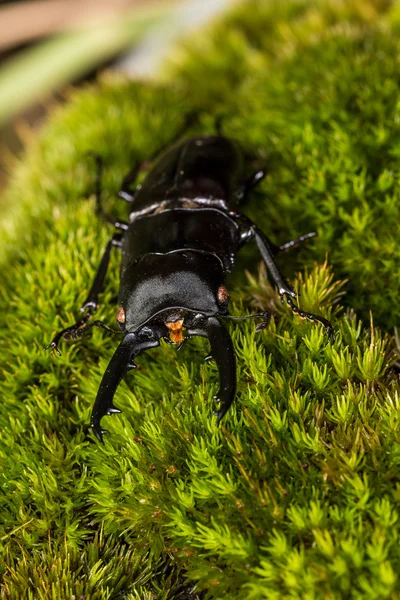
(297, 494)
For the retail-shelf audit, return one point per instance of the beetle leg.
(254, 180)
(291, 244)
(76, 331)
(297, 242)
(224, 355)
(265, 316)
(249, 184)
(91, 301)
(285, 290)
(312, 317)
(89, 307)
(122, 360)
(99, 204)
(264, 246)
(126, 193)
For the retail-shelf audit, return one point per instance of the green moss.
(297, 494)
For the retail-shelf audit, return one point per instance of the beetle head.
(172, 289)
(160, 295)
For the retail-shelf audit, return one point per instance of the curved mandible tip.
(121, 361)
(223, 353)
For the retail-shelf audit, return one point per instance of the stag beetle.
(181, 240)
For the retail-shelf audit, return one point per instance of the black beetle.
(183, 234)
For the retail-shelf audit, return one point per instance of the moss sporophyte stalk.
(295, 494)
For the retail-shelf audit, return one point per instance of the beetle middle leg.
(285, 290)
(89, 307)
(252, 182)
(295, 243)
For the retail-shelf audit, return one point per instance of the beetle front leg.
(89, 307)
(223, 353)
(297, 242)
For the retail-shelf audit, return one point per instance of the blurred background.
(48, 45)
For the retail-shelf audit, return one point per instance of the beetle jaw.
(172, 320)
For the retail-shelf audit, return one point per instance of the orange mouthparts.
(175, 331)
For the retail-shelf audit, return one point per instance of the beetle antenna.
(265, 316)
(79, 332)
(76, 331)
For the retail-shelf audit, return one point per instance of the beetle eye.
(121, 315)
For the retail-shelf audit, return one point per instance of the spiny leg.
(252, 182)
(297, 242)
(78, 333)
(249, 184)
(275, 249)
(312, 317)
(89, 307)
(265, 316)
(284, 289)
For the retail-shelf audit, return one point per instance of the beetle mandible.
(181, 240)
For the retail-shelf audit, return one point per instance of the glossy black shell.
(181, 238)
(183, 234)
(205, 169)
